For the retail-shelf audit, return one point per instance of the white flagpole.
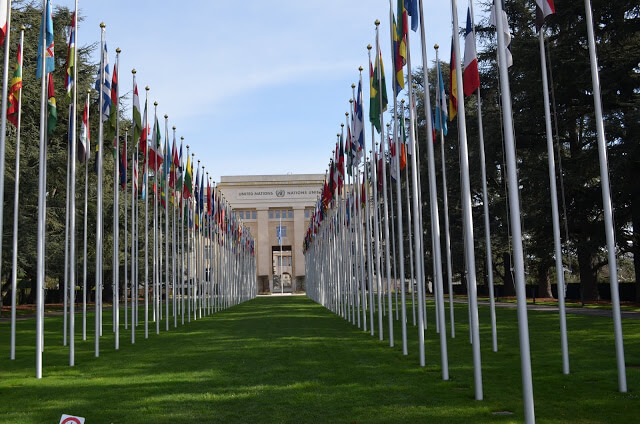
(166, 225)
(86, 215)
(173, 242)
(514, 209)
(445, 206)
(134, 226)
(99, 241)
(485, 205)
(145, 179)
(65, 290)
(606, 200)
(467, 215)
(72, 221)
(555, 215)
(156, 277)
(435, 217)
(116, 220)
(41, 188)
(409, 225)
(3, 118)
(182, 215)
(126, 236)
(16, 198)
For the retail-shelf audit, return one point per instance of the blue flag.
(412, 10)
(441, 105)
(47, 26)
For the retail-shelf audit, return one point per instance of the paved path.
(570, 310)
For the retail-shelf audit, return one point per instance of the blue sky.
(259, 88)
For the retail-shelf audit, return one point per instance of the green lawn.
(286, 359)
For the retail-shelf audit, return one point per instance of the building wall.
(263, 197)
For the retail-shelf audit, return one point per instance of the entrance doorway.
(282, 269)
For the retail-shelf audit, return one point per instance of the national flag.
(453, 85)
(3, 20)
(123, 165)
(544, 8)
(143, 188)
(52, 110)
(403, 157)
(209, 199)
(197, 198)
(399, 47)
(143, 134)
(84, 148)
(188, 173)
(14, 91)
(111, 127)
(392, 163)
(104, 87)
(175, 163)
(135, 174)
(155, 152)
(49, 60)
(348, 149)
(379, 157)
(470, 75)
(180, 178)
(506, 32)
(364, 191)
(441, 104)
(71, 56)
(137, 121)
(166, 171)
(201, 197)
(412, 10)
(377, 82)
(358, 128)
(340, 164)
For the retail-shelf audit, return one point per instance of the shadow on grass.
(286, 359)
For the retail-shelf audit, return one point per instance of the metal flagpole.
(387, 254)
(65, 291)
(86, 216)
(134, 236)
(435, 217)
(126, 237)
(467, 218)
(72, 221)
(41, 186)
(409, 225)
(514, 208)
(99, 241)
(368, 242)
(280, 243)
(116, 219)
(555, 215)
(485, 205)
(145, 184)
(166, 224)
(173, 240)
(16, 198)
(156, 309)
(182, 215)
(3, 116)
(445, 205)
(606, 200)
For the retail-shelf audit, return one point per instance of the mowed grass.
(289, 360)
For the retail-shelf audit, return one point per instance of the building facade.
(277, 210)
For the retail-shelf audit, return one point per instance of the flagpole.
(3, 120)
(72, 222)
(514, 208)
(98, 303)
(145, 185)
(16, 199)
(65, 290)
(116, 217)
(485, 205)
(41, 184)
(126, 225)
(182, 205)
(467, 216)
(86, 214)
(134, 226)
(555, 215)
(156, 277)
(173, 237)
(166, 225)
(606, 200)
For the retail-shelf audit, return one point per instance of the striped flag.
(506, 32)
(441, 105)
(84, 148)
(16, 86)
(52, 110)
(544, 8)
(358, 128)
(470, 75)
(48, 49)
(104, 86)
(155, 153)
(71, 56)
(453, 85)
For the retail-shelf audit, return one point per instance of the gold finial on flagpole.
(102, 25)
(166, 116)
(368, 48)
(377, 22)
(133, 71)
(436, 47)
(147, 88)
(118, 50)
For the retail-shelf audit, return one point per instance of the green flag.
(377, 82)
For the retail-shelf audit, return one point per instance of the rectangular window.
(241, 213)
(254, 215)
(270, 214)
(282, 230)
(277, 214)
(290, 214)
(306, 214)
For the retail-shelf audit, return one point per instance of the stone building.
(267, 204)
